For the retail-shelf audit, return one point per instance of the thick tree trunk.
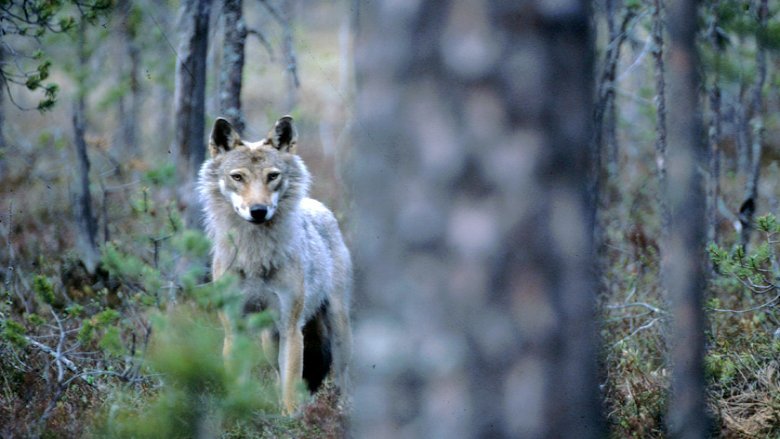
(189, 98)
(684, 259)
(85, 220)
(473, 244)
(232, 63)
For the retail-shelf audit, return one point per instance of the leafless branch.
(742, 311)
(263, 41)
(647, 325)
(637, 304)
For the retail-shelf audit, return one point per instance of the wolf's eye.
(237, 177)
(272, 176)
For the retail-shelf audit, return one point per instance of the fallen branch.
(637, 304)
(742, 311)
(647, 325)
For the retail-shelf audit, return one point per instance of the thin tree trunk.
(605, 121)
(3, 149)
(605, 114)
(756, 125)
(131, 100)
(87, 225)
(477, 301)
(617, 36)
(233, 63)
(291, 67)
(684, 257)
(743, 132)
(189, 98)
(714, 132)
(660, 107)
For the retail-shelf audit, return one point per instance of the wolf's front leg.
(227, 343)
(290, 365)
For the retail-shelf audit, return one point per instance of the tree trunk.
(85, 220)
(3, 146)
(291, 67)
(714, 132)
(660, 113)
(605, 125)
(683, 259)
(232, 63)
(756, 126)
(189, 99)
(477, 298)
(131, 101)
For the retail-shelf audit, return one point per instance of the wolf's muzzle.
(259, 213)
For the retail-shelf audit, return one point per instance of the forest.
(562, 216)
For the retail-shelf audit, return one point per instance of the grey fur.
(299, 248)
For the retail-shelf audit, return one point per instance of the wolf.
(286, 249)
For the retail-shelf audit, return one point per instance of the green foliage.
(44, 289)
(192, 242)
(757, 270)
(111, 341)
(75, 310)
(123, 265)
(106, 325)
(34, 319)
(201, 394)
(13, 332)
(35, 20)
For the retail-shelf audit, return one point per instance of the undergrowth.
(135, 349)
(742, 363)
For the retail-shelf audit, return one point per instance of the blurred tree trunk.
(473, 237)
(85, 220)
(232, 63)
(131, 100)
(755, 128)
(190, 97)
(684, 257)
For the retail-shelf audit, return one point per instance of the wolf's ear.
(284, 136)
(223, 137)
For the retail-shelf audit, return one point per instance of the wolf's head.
(256, 178)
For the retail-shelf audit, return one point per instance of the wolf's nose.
(258, 212)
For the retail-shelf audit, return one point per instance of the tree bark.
(131, 101)
(714, 132)
(189, 99)
(477, 298)
(660, 112)
(291, 67)
(233, 63)
(755, 127)
(3, 146)
(684, 258)
(605, 125)
(87, 224)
